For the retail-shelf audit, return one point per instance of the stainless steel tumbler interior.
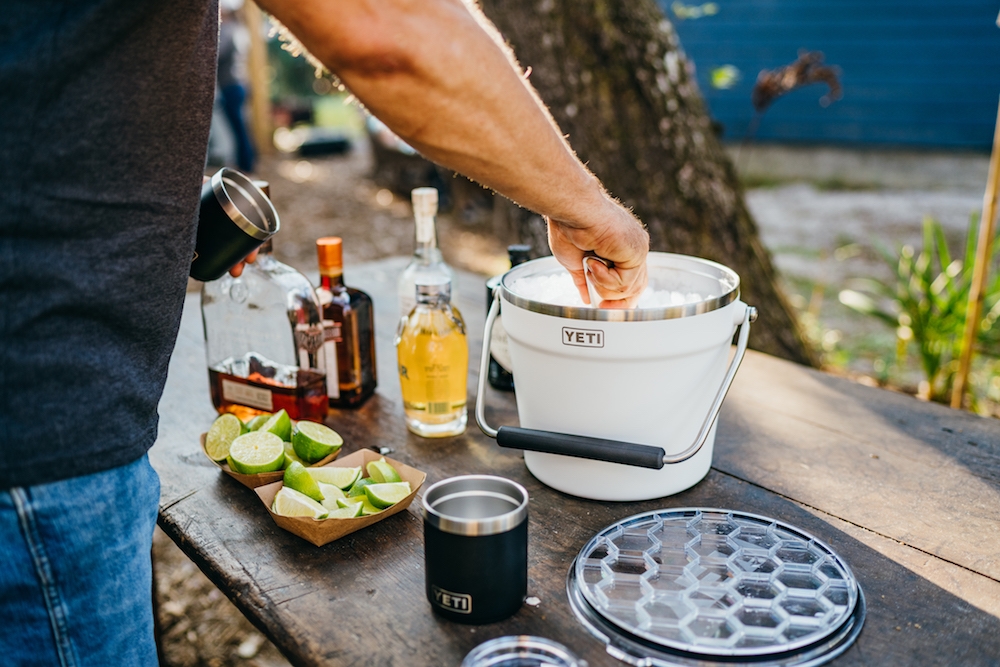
(235, 218)
(476, 547)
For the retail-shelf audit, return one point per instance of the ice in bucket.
(558, 289)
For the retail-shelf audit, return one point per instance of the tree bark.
(618, 83)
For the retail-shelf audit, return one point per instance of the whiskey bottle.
(433, 361)
(348, 330)
(264, 341)
(426, 263)
(500, 368)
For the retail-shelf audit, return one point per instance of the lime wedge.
(289, 502)
(382, 472)
(290, 455)
(279, 424)
(331, 495)
(387, 495)
(221, 434)
(256, 452)
(339, 476)
(358, 488)
(366, 505)
(258, 421)
(314, 441)
(299, 479)
(346, 512)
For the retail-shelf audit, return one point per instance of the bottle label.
(500, 346)
(241, 394)
(331, 336)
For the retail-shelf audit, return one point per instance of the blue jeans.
(75, 570)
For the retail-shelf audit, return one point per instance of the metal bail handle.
(610, 451)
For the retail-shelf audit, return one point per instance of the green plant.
(926, 304)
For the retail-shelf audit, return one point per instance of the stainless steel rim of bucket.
(662, 535)
(728, 280)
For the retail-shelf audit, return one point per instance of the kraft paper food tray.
(324, 531)
(253, 481)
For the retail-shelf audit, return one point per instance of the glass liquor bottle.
(426, 263)
(499, 374)
(433, 358)
(348, 330)
(264, 341)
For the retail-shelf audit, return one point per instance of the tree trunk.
(617, 81)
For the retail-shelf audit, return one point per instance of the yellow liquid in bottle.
(433, 358)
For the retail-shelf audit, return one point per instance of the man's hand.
(237, 270)
(613, 234)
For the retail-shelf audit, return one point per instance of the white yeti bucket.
(619, 404)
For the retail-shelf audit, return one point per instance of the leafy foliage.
(926, 304)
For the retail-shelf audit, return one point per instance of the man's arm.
(437, 73)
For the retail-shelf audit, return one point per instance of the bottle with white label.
(264, 341)
(426, 263)
(500, 374)
(348, 330)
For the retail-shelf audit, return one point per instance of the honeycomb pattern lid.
(698, 583)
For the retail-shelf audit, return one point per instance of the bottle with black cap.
(500, 376)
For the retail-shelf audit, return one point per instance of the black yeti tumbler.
(476, 548)
(235, 218)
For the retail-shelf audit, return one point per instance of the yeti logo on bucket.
(582, 337)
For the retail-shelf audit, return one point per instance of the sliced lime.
(258, 421)
(358, 488)
(387, 495)
(256, 452)
(314, 441)
(289, 502)
(290, 455)
(382, 472)
(279, 424)
(366, 505)
(221, 434)
(339, 476)
(346, 512)
(331, 495)
(299, 479)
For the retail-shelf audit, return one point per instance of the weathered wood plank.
(360, 600)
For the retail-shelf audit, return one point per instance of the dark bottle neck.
(331, 281)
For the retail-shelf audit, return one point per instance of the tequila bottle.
(348, 330)
(433, 359)
(264, 341)
(426, 265)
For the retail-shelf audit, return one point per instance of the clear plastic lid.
(521, 651)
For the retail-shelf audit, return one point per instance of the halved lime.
(279, 424)
(366, 505)
(256, 452)
(339, 476)
(382, 472)
(289, 502)
(299, 479)
(387, 495)
(258, 421)
(221, 434)
(331, 495)
(314, 441)
(346, 512)
(358, 488)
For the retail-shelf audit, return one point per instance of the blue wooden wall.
(914, 72)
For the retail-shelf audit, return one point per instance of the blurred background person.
(231, 87)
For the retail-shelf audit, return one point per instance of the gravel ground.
(819, 237)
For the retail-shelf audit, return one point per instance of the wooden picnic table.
(907, 492)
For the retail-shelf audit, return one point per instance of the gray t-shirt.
(104, 114)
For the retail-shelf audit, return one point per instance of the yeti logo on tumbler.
(457, 602)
